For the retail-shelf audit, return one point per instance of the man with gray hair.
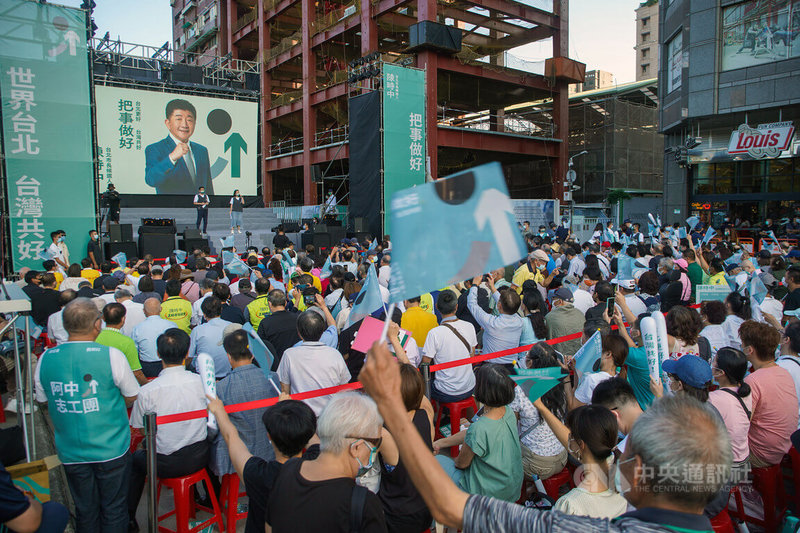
(313, 364)
(317, 495)
(134, 312)
(206, 288)
(677, 458)
(87, 387)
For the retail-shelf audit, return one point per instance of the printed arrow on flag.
(236, 145)
(494, 208)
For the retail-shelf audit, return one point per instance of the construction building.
(647, 40)
(305, 48)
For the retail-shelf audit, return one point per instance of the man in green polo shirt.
(114, 317)
(87, 387)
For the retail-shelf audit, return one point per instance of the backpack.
(705, 348)
(358, 499)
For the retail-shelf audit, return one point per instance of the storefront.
(745, 172)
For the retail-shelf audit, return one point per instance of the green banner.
(404, 161)
(47, 132)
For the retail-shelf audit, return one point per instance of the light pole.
(571, 178)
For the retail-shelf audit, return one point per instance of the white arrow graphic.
(72, 39)
(93, 384)
(494, 208)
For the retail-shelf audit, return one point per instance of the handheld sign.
(663, 341)
(205, 367)
(121, 259)
(650, 340)
(705, 293)
(370, 331)
(710, 232)
(227, 242)
(692, 222)
(452, 229)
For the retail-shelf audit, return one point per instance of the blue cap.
(690, 369)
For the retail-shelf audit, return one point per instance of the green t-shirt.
(639, 376)
(695, 273)
(496, 469)
(123, 343)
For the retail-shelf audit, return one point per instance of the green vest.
(86, 406)
(257, 310)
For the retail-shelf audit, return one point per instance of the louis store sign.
(763, 141)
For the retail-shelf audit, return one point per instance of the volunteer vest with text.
(258, 309)
(87, 408)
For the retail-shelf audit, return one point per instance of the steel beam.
(488, 141)
(534, 81)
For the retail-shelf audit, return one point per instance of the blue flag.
(368, 300)
(710, 232)
(259, 350)
(476, 231)
(227, 257)
(682, 233)
(609, 235)
(692, 222)
(624, 267)
(121, 259)
(180, 255)
(735, 259)
(227, 242)
(757, 289)
(373, 244)
(589, 353)
(326, 269)
(238, 267)
(46, 255)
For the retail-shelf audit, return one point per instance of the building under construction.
(306, 50)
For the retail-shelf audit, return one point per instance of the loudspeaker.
(192, 233)
(322, 240)
(291, 227)
(429, 35)
(321, 228)
(157, 244)
(306, 239)
(337, 233)
(120, 232)
(113, 248)
(359, 224)
(189, 244)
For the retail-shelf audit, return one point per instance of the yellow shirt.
(718, 279)
(59, 278)
(257, 310)
(419, 322)
(317, 283)
(177, 310)
(523, 274)
(90, 274)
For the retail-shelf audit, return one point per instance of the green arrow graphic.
(235, 143)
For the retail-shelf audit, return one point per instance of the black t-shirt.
(160, 286)
(43, 305)
(297, 504)
(12, 501)
(112, 199)
(231, 314)
(279, 328)
(792, 301)
(280, 241)
(94, 248)
(259, 477)
(397, 493)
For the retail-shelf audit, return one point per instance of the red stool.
(136, 439)
(229, 500)
(792, 461)
(768, 483)
(553, 484)
(455, 409)
(722, 523)
(183, 497)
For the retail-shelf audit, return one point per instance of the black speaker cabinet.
(192, 233)
(429, 35)
(156, 244)
(113, 248)
(120, 232)
(322, 240)
(337, 234)
(291, 227)
(190, 244)
(359, 224)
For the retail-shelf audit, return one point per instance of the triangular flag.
(46, 254)
(326, 269)
(536, 382)
(227, 242)
(758, 290)
(121, 259)
(710, 233)
(735, 259)
(589, 353)
(368, 300)
(373, 244)
(692, 222)
(260, 352)
(682, 233)
(624, 267)
(227, 257)
(237, 267)
(180, 255)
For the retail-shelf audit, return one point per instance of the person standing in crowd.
(89, 417)
(206, 338)
(93, 250)
(256, 310)
(45, 301)
(245, 295)
(417, 321)
(564, 319)
(181, 447)
(734, 402)
(111, 200)
(279, 327)
(236, 210)
(56, 252)
(55, 323)
(201, 202)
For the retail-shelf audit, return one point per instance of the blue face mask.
(61, 239)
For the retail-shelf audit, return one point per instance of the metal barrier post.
(150, 430)
(426, 377)
(20, 394)
(29, 403)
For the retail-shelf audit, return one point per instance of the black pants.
(99, 493)
(183, 462)
(202, 216)
(151, 369)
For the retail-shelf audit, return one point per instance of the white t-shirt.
(731, 327)
(584, 391)
(635, 304)
(384, 273)
(443, 346)
(773, 307)
(312, 366)
(197, 313)
(55, 328)
(791, 363)
(121, 374)
(716, 336)
(134, 315)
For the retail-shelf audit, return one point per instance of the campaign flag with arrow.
(758, 290)
(237, 267)
(536, 382)
(227, 257)
(710, 232)
(368, 300)
(260, 352)
(475, 231)
(46, 254)
(227, 242)
(121, 259)
(692, 222)
(590, 352)
(180, 255)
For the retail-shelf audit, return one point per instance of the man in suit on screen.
(174, 165)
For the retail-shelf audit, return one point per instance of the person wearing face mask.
(689, 374)
(56, 252)
(792, 228)
(733, 401)
(93, 251)
(235, 211)
(490, 460)
(766, 228)
(321, 494)
(564, 319)
(535, 269)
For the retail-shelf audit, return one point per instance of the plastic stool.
(792, 460)
(768, 483)
(455, 409)
(136, 439)
(555, 482)
(722, 523)
(229, 501)
(183, 497)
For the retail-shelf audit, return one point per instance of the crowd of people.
(645, 452)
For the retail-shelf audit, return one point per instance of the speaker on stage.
(337, 233)
(156, 244)
(190, 244)
(322, 240)
(321, 228)
(306, 239)
(120, 232)
(360, 224)
(113, 248)
(192, 233)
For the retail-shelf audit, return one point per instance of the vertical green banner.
(404, 161)
(47, 132)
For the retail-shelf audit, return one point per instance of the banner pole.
(29, 386)
(150, 430)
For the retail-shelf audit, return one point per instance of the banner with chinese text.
(47, 135)
(404, 161)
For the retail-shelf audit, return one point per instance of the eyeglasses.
(374, 441)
